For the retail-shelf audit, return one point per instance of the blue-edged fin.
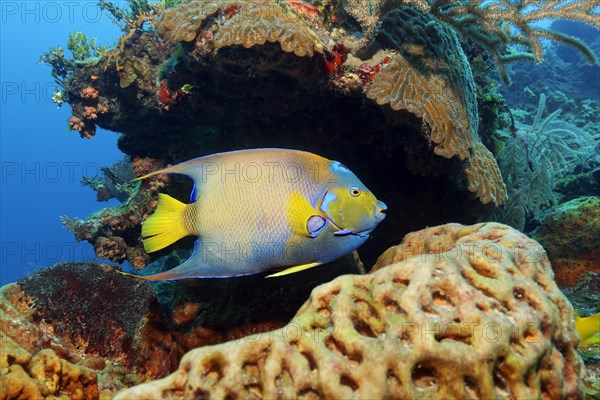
(166, 225)
(193, 267)
(301, 217)
(293, 270)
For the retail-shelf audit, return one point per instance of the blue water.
(41, 162)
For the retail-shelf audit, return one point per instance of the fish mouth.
(348, 232)
(380, 213)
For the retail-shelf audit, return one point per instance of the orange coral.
(102, 109)
(113, 249)
(76, 123)
(143, 166)
(89, 93)
(89, 113)
(88, 133)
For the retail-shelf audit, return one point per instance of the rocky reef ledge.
(452, 312)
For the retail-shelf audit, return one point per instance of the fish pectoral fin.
(304, 219)
(293, 270)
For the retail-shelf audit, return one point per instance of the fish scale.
(250, 209)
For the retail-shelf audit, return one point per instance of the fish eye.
(354, 191)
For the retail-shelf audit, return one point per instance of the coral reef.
(246, 24)
(115, 232)
(208, 94)
(532, 160)
(75, 329)
(212, 76)
(106, 331)
(45, 375)
(497, 25)
(422, 80)
(402, 331)
(569, 233)
(210, 311)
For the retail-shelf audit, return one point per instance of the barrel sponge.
(244, 23)
(467, 312)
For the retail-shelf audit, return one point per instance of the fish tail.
(166, 225)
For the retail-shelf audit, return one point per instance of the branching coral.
(498, 24)
(533, 159)
(131, 21)
(246, 24)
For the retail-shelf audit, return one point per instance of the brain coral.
(244, 23)
(468, 312)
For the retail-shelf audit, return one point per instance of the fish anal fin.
(299, 212)
(293, 270)
(193, 267)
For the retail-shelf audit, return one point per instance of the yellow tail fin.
(588, 328)
(166, 225)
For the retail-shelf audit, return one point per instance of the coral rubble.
(468, 311)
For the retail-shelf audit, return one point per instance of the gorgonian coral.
(499, 24)
(495, 24)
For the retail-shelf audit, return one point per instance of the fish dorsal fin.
(293, 270)
(303, 217)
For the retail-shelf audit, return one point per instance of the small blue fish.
(263, 210)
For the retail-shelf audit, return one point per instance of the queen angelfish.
(262, 210)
